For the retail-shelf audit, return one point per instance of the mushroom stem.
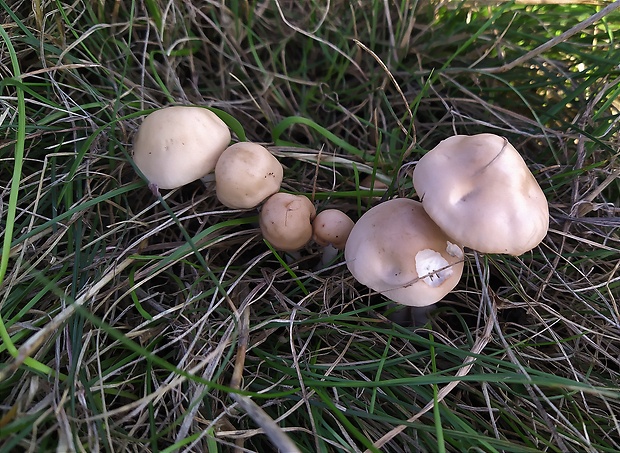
(154, 189)
(328, 255)
(420, 315)
(292, 257)
(409, 316)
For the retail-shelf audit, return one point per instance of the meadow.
(136, 323)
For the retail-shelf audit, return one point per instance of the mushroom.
(396, 249)
(245, 174)
(377, 186)
(479, 190)
(177, 145)
(330, 230)
(285, 220)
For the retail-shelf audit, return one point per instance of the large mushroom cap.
(177, 145)
(286, 221)
(245, 174)
(396, 249)
(479, 190)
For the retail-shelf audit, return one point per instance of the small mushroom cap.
(332, 227)
(377, 186)
(285, 220)
(396, 249)
(177, 145)
(479, 190)
(245, 174)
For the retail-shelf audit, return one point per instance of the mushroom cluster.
(180, 144)
(476, 192)
(289, 222)
(177, 145)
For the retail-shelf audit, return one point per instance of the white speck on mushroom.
(432, 268)
(454, 250)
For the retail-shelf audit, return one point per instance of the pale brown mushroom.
(330, 230)
(246, 174)
(177, 145)
(285, 220)
(332, 227)
(479, 190)
(396, 249)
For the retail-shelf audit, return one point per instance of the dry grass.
(131, 323)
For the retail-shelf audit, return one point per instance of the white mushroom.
(332, 227)
(246, 174)
(177, 145)
(330, 230)
(479, 190)
(285, 220)
(397, 250)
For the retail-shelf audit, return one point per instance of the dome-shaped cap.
(177, 145)
(332, 227)
(285, 220)
(245, 174)
(479, 190)
(397, 250)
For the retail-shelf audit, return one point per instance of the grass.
(131, 323)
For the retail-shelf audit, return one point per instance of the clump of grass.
(131, 323)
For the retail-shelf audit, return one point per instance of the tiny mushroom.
(377, 187)
(285, 220)
(245, 174)
(332, 227)
(330, 230)
(397, 250)
(479, 190)
(177, 145)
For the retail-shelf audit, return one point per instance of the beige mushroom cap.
(245, 174)
(479, 190)
(286, 221)
(332, 227)
(177, 145)
(397, 250)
